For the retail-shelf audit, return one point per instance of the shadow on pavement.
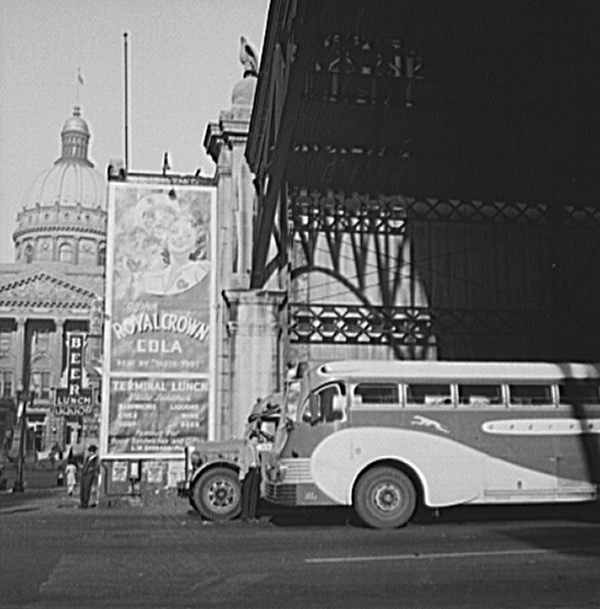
(309, 516)
(580, 539)
(588, 512)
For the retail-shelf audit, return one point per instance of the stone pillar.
(254, 328)
(57, 349)
(20, 353)
(225, 142)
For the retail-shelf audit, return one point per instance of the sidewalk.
(42, 492)
(166, 503)
(31, 499)
(35, 475)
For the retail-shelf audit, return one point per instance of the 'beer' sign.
(75, 346)
(74, 400)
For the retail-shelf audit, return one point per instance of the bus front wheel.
(217, 494)
(385, 498)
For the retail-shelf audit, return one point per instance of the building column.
(56, 424)
(57, 348)
(76, 248)
(254, 328)
(20, 352)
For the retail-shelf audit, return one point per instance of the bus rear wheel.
(217, 494)
(385, 498)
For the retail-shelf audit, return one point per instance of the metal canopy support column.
(272, 175)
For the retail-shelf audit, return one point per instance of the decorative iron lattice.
(352, 212)
(405, 326)
(582, 216)
(477, 212)
(321, 212)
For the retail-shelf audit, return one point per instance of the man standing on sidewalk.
(89, 475)
(250, 477)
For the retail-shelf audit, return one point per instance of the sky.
(183, 62)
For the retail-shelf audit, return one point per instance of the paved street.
(53, 555)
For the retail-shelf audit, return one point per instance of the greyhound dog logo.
(425, 422)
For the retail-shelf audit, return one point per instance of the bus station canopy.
(443, 99)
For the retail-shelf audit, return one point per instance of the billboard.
(158, 349)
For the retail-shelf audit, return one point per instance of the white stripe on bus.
(542, 427)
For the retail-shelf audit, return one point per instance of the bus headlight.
(196, 459)
(276, 473)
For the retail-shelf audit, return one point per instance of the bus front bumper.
(296, 494)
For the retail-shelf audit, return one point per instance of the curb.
(28, 500)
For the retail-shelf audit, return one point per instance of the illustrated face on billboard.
(160, 294)
(162, 244)
(161, 288)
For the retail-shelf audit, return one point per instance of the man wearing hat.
(89, 473)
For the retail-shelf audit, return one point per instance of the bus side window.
(377, 393)
(480, 395)
(582, 391)
(428, 394)
(530, 395)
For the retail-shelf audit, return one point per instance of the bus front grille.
(297, 471)
(284, 494)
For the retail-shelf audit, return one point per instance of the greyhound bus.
(384, 436)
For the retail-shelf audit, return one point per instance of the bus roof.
(454, 370)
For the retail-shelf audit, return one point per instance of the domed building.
(51, 304)
(64, 211)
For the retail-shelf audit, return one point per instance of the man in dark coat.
(89, 475)
(250, 477)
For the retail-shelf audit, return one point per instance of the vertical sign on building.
(74, 363)
(157, 389)
(74, 399)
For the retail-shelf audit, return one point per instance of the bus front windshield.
(325, 405)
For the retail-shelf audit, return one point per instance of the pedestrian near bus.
(250, 476)
(89, 475)
(71, 473)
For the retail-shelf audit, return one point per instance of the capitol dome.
(63, 218)
(72, 180)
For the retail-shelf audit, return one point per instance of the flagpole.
(126, 106)
(79, 83)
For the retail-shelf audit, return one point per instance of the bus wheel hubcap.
(220, 495)
(387, 497)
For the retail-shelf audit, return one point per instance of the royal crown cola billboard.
(159, 313)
